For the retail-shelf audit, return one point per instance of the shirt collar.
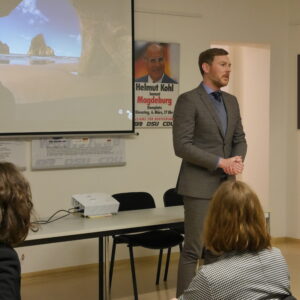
(158, 81)
(208, 89)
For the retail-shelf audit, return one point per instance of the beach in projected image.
(65, 65)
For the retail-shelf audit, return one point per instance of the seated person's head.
(235, 221)
(15, 205)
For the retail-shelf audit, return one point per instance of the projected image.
(65, 65)
(35, 43)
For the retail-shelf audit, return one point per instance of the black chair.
(290, 298)
(172, 198)
(154, 239)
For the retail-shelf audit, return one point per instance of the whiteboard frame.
(92, 133)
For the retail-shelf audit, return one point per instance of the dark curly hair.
(15, 205)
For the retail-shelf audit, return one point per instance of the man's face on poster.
(155, 62)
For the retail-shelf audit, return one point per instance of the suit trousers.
(195, 210)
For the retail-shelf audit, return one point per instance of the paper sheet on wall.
(15, 152)
(61, 153)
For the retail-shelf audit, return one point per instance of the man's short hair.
(208, 56)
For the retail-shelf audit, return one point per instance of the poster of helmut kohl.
(156, 83)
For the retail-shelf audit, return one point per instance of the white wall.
(250, 82)
(293, 136)
(256, 119)
(151, 164)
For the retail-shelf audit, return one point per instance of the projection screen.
(66, 67)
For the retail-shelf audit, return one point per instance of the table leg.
(104, 293)
(101, 270)
(106, 267)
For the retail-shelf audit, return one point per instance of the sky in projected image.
(60, 27)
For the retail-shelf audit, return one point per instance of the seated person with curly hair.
(242, 264)
(15, 211)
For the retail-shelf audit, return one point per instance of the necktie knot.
(217, 95)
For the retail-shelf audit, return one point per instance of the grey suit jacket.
(198, 139)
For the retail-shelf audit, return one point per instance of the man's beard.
(219, 83)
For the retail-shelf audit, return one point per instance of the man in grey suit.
(208, 135)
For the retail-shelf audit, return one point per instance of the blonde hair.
(235, 221)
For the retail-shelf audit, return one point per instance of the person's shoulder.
(10, 273)
(272, 252)
(142, 79)
(228, 95)
(9, 260)
(229, 265)
(191, 95)
(5, 248)
(7, 252)
(168, 79)
(273, 258)
(193, 92)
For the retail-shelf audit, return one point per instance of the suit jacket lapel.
(228, 108)
(208, 103)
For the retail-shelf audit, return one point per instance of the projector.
(96, 204)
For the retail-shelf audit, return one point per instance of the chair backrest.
(289, 298)
(171, 198)
(134, 200)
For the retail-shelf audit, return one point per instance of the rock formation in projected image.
(90, 13)
(7, 6)
(38, 47)
(99, 52)
(4, 49)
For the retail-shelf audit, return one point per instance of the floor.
(81, 284)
